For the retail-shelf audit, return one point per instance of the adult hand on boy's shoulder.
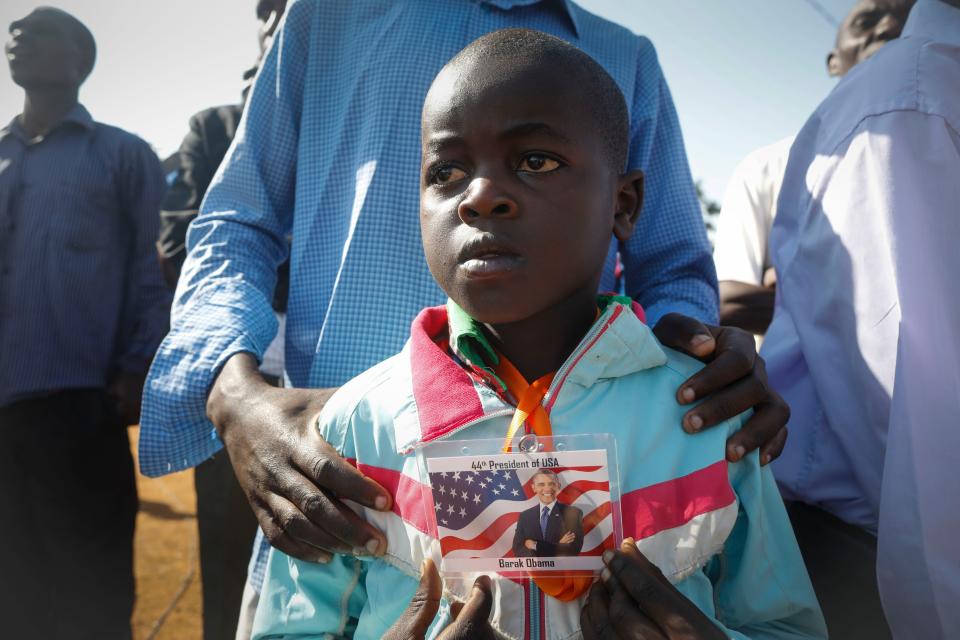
(293, 478)
(470, 620)
(733, 380)
(634, 601)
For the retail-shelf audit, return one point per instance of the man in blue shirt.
(81, 313)
(328, 151)
(225, 523)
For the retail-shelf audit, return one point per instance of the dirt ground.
(166, 558)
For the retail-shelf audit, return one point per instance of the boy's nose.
(484, 199)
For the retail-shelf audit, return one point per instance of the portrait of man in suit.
(549, 528)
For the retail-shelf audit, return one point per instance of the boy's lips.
(487, 257)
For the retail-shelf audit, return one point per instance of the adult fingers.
(321, 518)
(283, 541)
(685, 334)
(327, 468)
(480, 602)
(423, 607)
(772, 449)
(472, 620)
(280, 519)
(725, 404)
(766, 428)
(734, 358)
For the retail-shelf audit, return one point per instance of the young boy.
(524, 145)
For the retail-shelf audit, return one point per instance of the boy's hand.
(293, 479)
(735, 380)
(633, 601)
(470, 620)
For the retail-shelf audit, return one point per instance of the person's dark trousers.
(842, 562)
(227, 528)
(68, 505)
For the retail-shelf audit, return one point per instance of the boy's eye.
(445, 174)
(538, 163)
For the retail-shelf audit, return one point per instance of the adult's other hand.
(470, 620)
(733, 380)
(634, 601)
(124, 392)
(293, 478)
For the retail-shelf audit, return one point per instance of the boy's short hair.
(601, 95)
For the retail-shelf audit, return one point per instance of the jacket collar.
(448, 396)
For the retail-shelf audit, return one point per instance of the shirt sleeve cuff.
(175, 433)
(660, 309)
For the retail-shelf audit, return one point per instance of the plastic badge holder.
(487, 506)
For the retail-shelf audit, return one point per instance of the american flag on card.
(477, 511)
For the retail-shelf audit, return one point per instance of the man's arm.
(891, 205)
(668, 266)
(222, 322)
(918, 515)
(745, 305)
(146, 300)
(222, 305)
(743, 234)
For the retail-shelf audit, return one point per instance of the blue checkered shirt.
(328, 151)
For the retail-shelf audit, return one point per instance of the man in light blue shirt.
(328, 151)
(864, 343)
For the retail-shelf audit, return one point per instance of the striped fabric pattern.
(679, 504)
(328, 150)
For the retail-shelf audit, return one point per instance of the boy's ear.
(629, 202)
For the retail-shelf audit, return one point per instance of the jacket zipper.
(495, 414)
(587, 342)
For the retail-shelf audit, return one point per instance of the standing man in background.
(744, 269)
(82, 310)
(225, 523)
(864, 342)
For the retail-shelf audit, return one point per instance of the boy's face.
(518, 200)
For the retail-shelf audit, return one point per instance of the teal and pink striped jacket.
(718, 531)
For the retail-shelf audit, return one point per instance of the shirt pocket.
(84, 216)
